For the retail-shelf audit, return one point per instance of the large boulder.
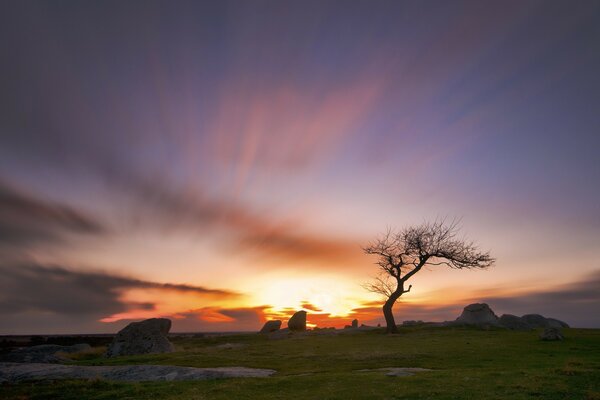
(478, 314)
(513, 322)
(271, 326)
(551, 334)
(355, 323)
(298, 322)
(144, 337)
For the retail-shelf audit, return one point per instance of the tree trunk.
(388, 314)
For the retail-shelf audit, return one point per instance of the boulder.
(355, 323)
(144, 337)
(551, 334)
(539, 321)
(513, 322)
(298, 322)
(478, 314)
(45, 353)
(271, 326)
(535, 320)
(556, 323)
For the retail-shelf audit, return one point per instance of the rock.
(535, 320)
(13, 372)
(45, 353)
(556, 323)
(539, 321)
(412, 323)
(230, 346)
(513, 322)
(280, 334)
(478, 314)
(145, 337)
(393, 371)
(355, 323)
(551, 334)
(271, 326)
(298, 322)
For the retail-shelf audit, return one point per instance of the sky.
(222, 163)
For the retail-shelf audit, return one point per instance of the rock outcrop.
(271, 326)
(513, 322)
(298, 322)
(144, 337)
(12, 372)
(539, 321)
(355, 323)
(535, 320)
(45, 353)
(477, 314)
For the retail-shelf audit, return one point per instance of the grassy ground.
(467, 364)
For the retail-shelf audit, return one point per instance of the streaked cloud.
(26, 219)
(35, 291)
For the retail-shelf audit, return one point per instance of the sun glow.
(316, 295)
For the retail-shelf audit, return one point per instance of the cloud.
(311, 307)
(31, 293)
(220, 319)
(26, 220)
(244, 228)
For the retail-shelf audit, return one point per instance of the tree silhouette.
(402, 254)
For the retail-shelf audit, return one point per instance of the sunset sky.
(222, 163)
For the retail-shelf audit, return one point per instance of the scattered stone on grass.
(15, 372)
(144, 337)
(396, 371)
(230, 346)
(45, 353)
(412, 323)
(551, 334)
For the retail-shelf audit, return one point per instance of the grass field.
(467, 364)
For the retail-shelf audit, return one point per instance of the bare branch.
(402, 254)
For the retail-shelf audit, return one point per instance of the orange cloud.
(311, 307)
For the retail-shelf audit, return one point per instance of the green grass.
(467, 364)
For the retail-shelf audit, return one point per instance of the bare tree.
(402, 254)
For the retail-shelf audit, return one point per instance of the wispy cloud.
(84, 297)
(26, 219)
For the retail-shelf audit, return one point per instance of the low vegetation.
(467, 364)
